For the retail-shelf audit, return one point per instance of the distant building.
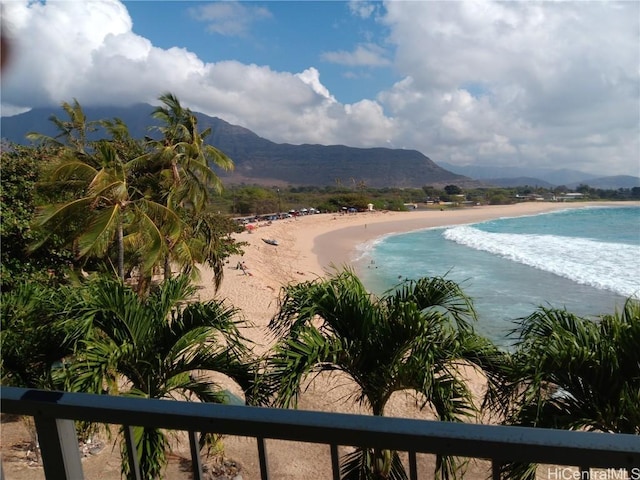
(570, 196)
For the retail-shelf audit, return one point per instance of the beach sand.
(308, 247)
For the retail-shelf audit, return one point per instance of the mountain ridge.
(509, 176)
(258, 160)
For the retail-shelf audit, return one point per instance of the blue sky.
(285, 35)
(546, 84)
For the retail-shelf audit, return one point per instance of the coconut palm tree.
(412, 338)
(161, 346)
(182, 162)
(105, 204)
(111, 210)
(573, 373)
(182, 152)
(73, 133)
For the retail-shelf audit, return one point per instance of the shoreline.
(313, 246)
(338, 246)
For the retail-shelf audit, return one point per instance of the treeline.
(259, 199)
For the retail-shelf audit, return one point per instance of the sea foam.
(609, 266)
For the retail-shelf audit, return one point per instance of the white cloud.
(555, 84)
(232, 19)
(553, 75)
(362, 8)
(367, 55)
(311, 77)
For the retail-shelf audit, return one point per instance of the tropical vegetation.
(415, 337)
(35, 333)
(117, 200)
(160, 346)
(572, 373)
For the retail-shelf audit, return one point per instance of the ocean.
(586, 260)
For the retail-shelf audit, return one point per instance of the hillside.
(261, 161)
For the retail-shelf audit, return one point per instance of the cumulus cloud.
(552, 76)
(501, 83)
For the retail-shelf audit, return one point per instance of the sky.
(545, 84)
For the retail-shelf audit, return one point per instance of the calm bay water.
(586, 260)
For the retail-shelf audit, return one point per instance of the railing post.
(132, 451)
(262, 457)
(59, 448)
(196, 461)
(413, 466)
(335, 462)
(495, 469)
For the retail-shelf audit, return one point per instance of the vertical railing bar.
(196, 460)
(132, 452)
(262, 456)
(496, 466)
(59, 448)
(335, 462)
(585, 473)
(413, 465)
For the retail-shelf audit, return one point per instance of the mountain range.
(504, 176)
(261, 161)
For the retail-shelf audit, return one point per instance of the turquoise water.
(586, 260)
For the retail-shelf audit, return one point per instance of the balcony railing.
(55, 412)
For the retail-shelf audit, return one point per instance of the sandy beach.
(308, 247)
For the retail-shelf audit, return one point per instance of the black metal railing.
(54, 414)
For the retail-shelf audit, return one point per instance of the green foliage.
(372, 464)
(129, 201)
(452, 190)
(412, 338)
(573, 373)
(499, 199)
(18, 196)
(161, 346)
(252, 200)
(580, 373)
(110, 211)
(210, 242)
(35, 334)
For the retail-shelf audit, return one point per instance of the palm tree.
(183, 152)
(34, 333)
(573, 373)
(35, 338)
(182, 161)
(104, 204)
(110, 210)
(157, 347)
(73, 133)
(412, 338)
(207, 240)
